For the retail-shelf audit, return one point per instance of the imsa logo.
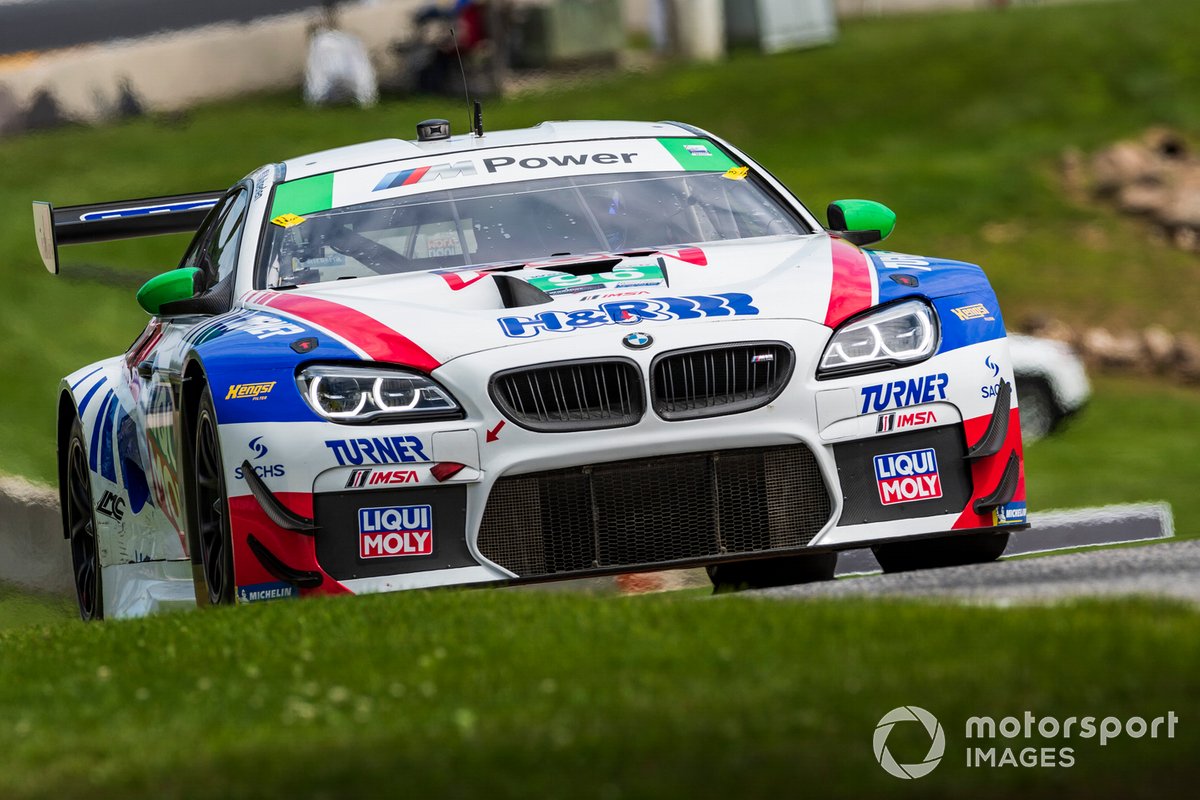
(393, 531)
(907, 477)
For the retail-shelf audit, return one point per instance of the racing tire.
(212, 505)
(955, 550)
(769, 572)
(80, 519)
(1038, 412)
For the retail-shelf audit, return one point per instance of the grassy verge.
(19, 608)
(516, 694)
(1136, 441)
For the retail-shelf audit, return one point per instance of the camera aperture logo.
(937, 746)
(1029, 740)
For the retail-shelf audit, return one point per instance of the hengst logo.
(908, 476)
(630, 312)
(254, 391)
(977, 311)
(393, 531)
(901, 393)
(407, 177)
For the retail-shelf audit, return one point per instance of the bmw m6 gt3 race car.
(578, 349)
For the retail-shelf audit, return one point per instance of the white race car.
(1051, 382)
(582, 348)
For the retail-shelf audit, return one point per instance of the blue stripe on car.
(93, 454)
(87, 398)
(107, 465)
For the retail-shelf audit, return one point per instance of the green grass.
(1136, 441)
(955, 120)
(20, 608)
(529, 694)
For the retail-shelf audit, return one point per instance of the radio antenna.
(463, 71)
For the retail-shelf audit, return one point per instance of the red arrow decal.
(494, 433)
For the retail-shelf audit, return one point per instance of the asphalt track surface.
(48, 24)
(1169, 569)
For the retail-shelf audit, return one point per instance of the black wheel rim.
(210, 511)
(82, 528)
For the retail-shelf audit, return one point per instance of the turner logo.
(407, 177)
(908, 476)
(377, 450)
(630, 312)
(899, 394)
(392, 531)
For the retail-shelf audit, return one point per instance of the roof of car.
(386, 150)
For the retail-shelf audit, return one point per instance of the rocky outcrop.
(1154, 350)
(1156, 176)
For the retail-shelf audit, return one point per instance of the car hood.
(446, 314)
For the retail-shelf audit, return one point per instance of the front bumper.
(795, 475)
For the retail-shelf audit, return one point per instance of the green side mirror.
(170, 287)
(861, 221)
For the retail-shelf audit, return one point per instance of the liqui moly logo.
(906, 477)
(392, 531)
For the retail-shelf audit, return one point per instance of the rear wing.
(121, 219)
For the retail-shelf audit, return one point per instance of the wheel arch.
(68, 412)
(195, 378)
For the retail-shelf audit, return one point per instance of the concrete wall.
(33, 553)
(177, 70)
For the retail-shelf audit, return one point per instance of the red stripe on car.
(851, 290)
(369, 335)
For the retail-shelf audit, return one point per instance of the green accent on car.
(303, 196)
(862, 215)
(690, 155)
(178, 284)
(621, 276)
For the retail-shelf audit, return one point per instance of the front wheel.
(81, 529)
(212, 506)
(768, 572)
(955, 550)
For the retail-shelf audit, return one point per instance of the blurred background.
(1050, 142)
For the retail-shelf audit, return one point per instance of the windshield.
(521, 221)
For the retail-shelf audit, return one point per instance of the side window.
(192, 256)
(222, 247)
(214, 247)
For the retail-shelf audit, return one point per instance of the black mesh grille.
(571, 395)
(710, 381)
(653, 511)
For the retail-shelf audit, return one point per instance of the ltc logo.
(908, 476)
(395, 531)
(113, 505)
(937, 742)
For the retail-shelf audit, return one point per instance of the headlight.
(363, 394)
(900, 334)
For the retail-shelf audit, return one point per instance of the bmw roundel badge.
(637, 340)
